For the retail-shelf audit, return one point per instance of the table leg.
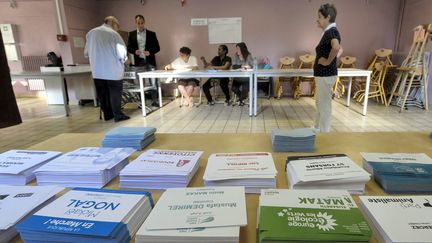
(365, 102)
(349, 91)
(143, 106)
(252, 101)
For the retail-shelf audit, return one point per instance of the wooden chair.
(376, 86)
(285, 63)
(306, 62)
(339, 87)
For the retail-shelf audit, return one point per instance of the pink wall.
(272, 28)
(416, 12)
(81, 16)
(36, 25)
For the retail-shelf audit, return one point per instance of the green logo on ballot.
(320, 220)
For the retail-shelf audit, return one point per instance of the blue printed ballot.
(400, 172)
(88, 215)
(17, 166)
(134, 137)
(293, 140)
(84, 167)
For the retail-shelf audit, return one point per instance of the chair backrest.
(347, 61)
(286, 62)
(381, 54)
(306, 61)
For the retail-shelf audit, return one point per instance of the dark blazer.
(152, 46)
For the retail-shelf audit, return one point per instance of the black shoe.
(107, 118)
(155, 104)
(121, 118)
(210, 102)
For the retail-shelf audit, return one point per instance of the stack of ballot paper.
(16, 202)
(134, 137)
(399, 218)
(254, 171)
(88, 215)
(399, 172)
(310, 216)
(160, 169)
(17, 166)
(85, 167)
(330, 171)
(201, 214)
(293, 140)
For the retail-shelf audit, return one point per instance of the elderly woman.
(184, 62)
(325, 69)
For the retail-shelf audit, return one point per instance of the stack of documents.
(295, 140)
(88, 215)
(254, 171)
(201, 214)
(17, 166)
(310, 216)
(330, 171)
(161, 169)
(85, 167)
(399, 219)
(18, 201)
(399, 172)
(133, 137)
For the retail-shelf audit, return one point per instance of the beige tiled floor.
(41, 121)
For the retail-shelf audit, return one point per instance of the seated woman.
(184, 62)
(242, 59)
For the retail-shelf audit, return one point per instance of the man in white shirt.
(107, 53)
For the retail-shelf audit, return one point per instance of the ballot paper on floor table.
(161, 169)
(16, 202)
(84, 167)
(199, 207)
(397, 219)
(253, 170)
(17, 166)
(329, 171)
(89, 215)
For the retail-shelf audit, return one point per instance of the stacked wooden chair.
(411, 84)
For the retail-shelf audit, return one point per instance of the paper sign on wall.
(198, 22)
(225, 30)
(78, 42)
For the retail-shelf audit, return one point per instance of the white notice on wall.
(225, 30)
(198, 22)
(7, 31)
(12, 53)
(78, 42)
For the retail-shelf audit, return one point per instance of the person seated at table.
(219, 62)
(185, 62)
(242, 60)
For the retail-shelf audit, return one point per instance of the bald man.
(107, 53)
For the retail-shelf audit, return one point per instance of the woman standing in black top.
(325, 69)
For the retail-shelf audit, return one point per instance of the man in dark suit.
(143, 44)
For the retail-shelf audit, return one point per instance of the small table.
(196, 74)
(342, 72)
(56, 91)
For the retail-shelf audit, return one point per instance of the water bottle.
(255, 64)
